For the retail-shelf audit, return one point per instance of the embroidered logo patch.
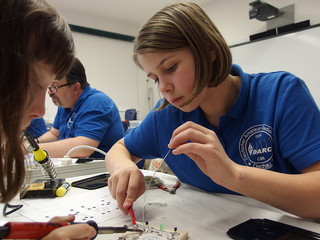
(71, 120)
(255, 146)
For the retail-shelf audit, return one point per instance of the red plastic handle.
(31, 230)
(132, 215)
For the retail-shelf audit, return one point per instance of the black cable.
(13, 208)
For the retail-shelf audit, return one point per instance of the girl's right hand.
(126, 185)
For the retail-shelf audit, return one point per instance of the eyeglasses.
(54, 89)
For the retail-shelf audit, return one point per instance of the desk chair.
(130, 114)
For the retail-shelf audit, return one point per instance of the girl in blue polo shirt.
(228, 131)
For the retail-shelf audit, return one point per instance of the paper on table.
(89, 205)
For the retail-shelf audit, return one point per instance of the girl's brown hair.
(186, 25)
(31, 31)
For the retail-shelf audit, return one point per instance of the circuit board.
(153, 233)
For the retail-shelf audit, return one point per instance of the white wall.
(109, 63)
(232, 17)
(109, 68)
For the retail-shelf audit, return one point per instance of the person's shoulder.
(284, 78)
(275, 77)
(95, 94)
(38, 120)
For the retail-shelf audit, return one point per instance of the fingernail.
(92, 233)
(126, 204)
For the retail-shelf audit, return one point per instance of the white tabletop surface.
(202, 215)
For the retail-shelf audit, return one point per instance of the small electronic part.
(153, 233)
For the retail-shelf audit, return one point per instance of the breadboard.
(152, 232)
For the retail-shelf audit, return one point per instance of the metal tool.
(110, 230)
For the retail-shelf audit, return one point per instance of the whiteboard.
(298, 53)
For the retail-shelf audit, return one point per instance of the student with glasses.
(36, 48)
(85, 116)
(54, 89)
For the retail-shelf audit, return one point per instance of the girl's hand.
(204, 148)
(72, 232)
(126, 184)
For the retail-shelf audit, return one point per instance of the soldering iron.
(41, 156)
(37, 230)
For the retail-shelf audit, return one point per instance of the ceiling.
(131, 12)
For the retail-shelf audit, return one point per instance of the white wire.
(84, 146)
(145, 194)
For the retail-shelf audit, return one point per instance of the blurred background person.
(85, 116)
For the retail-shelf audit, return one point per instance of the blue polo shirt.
(274, 124)
(95, 116)
(37, 127)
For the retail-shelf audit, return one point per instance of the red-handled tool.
(132, 215)
(28, 230)
(175, 187)
(164, 188)
(36, 230)
(33, 230)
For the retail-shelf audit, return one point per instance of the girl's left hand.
(73, 232)
(204, 148)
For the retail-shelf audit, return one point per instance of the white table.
(202, 215)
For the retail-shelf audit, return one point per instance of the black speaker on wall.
(294, 27)
(266, 34)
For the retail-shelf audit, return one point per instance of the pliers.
(173, 189)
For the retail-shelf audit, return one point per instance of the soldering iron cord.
(85, 146)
